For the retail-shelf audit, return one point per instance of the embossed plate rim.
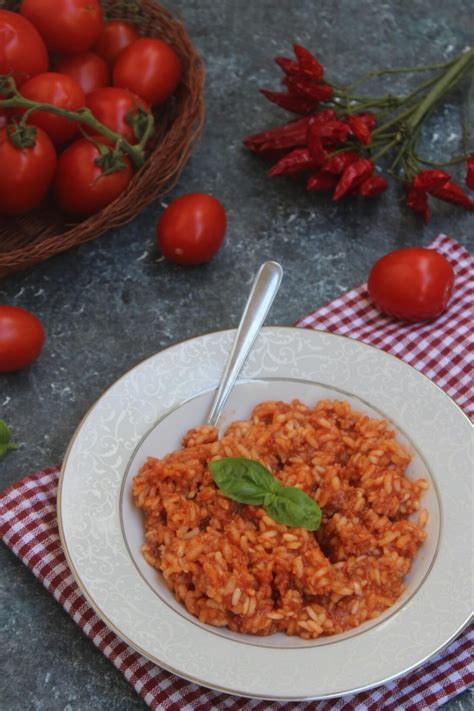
(254, 689)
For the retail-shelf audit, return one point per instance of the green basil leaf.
(5, 443)
(293, 507)
(4, 433)
(243, 480)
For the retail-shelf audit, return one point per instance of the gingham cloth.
(442, 351)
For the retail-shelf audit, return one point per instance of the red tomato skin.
(66, 26)
(412, 284)
(150, 68)
(110, 105)
(26, 173)
(81, 189)
(60, 90)
(115, 36)
(87, 68)
(21, 338)
(191, 229)
(22, 50)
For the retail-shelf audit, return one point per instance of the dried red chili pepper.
(369, 118)
(429, 180)
(470, 171)
(308, 64)
(323, 116)
(338, 163)
(372, 186)
(316, 149)
(278, 139)
(450, 192)
(290, 102)
(360, 129)
(321, 182)
(352, 176)
(289, 66)
(329, 132)
(417, 201)
(307, 89)
(296, 161)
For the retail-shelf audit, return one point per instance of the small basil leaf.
(4, 433)
(268, 499)
(293, 507)
(243, 480)
(5, 443)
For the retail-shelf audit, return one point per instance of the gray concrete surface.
(110, 303)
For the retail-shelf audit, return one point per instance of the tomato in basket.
(116, 35)
(22, 51)
(26, 173)
(60, 90)
(88, 69)
(150, 68)
(85, 180)
(118, 109)
(66, 26)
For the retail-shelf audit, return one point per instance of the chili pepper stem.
(445, 82)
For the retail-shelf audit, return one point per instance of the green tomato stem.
(84, 116)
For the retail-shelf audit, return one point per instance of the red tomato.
(413, 284)
(149, 68)
(60, 90)
(115, 108)
(3, 118)
(88, 69)
(26, 173)
(115, 36)
(81, 187)
(67, 26)
(22, 51)
(21, 338)
(191, 229)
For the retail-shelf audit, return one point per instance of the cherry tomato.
(67, 26)
(26, 173)
(21, 338)
(115, 108)
(149, 68)
(115, 36)
(22, 51)
(81, 186)
(191, 229)
(413, 284)
(88, 69)
(60, 90)
(3, 118)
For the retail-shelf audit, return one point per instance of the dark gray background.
(109, 304)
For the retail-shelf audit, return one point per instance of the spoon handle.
(264, 289)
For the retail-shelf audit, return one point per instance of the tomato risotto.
(233, 566)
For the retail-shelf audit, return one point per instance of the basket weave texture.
(42, 233)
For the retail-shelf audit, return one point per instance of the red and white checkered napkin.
(441, 350)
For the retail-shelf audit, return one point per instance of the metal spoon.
(264, 289)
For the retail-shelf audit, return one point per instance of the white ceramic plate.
(147, 411)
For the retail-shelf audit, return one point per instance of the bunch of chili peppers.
(340, 137)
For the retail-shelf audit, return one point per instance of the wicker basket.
(30, 239)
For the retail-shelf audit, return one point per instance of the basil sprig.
(5, 441)
(249, 482)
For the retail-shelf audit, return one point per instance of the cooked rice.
(232, 566)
